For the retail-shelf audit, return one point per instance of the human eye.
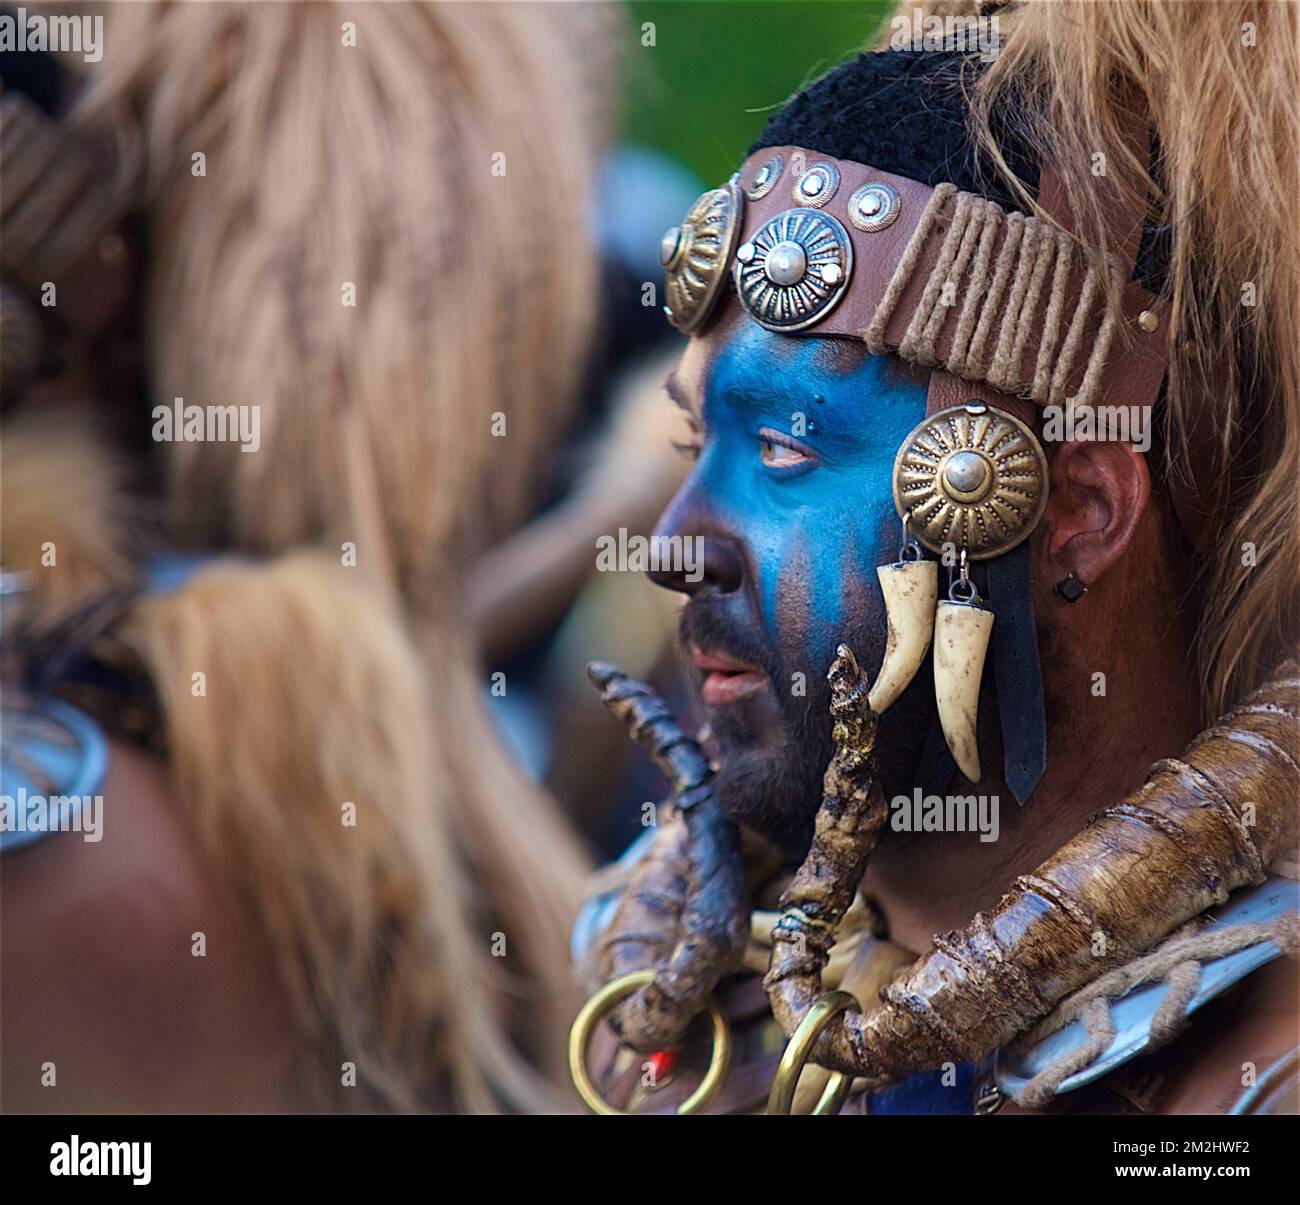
(782, 453)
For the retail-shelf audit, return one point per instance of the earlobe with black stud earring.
(1071, 588)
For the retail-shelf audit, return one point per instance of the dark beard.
(776, 788)
(773, 755)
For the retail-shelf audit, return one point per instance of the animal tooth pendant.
(973, 476)
(961, 640)
(910, 588)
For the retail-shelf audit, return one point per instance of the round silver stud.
(1148, 321)
(802, 260)
(817, 185)
(745, 253)
(786, 263)
(670, 246)
(874, 206)
(967, 475)
(765, 179)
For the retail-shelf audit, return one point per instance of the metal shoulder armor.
(53, 760)
(598, 910)
(1134, 1013)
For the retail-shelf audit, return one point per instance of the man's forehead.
(765, 352)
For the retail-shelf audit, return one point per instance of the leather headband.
(701, 257)
(1134, 362)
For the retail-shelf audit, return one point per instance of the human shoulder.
(1248, 1058)
(136, 970)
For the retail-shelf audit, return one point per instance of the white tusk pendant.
(961, 640)
(910, 589)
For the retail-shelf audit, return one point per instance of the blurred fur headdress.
(432, 163)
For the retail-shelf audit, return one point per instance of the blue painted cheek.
(806, 530)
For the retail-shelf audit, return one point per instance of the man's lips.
(726, 679)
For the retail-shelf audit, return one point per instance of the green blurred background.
(718, 68)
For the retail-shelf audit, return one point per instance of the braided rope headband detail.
(944, 279)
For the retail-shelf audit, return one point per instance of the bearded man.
(927, 270)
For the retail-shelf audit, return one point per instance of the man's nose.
(716, 565)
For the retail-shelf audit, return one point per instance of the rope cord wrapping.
(1007, 277)
(1178, 963)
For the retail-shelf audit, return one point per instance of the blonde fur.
(368, 914)
(1220, 82)
(64, 526)
(372, 165)
(376, 166)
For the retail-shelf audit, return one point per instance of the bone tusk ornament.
(910, 589)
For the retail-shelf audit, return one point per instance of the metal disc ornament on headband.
(697, 254)
(971, 477)
(794, 270)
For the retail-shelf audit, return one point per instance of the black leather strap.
(1017, 671)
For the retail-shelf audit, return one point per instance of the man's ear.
(1099, 493)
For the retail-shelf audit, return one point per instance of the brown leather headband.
(924, 296)
(948, 280)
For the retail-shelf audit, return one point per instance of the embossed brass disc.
(971, 476)
(697, 255)
(794, 270)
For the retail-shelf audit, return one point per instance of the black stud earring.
(1071, 588)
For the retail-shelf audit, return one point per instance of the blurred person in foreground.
(318, 882)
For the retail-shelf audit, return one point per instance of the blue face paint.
(814, 531)
(791, 500)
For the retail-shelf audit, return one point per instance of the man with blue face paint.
(895, 307)
(795, 443)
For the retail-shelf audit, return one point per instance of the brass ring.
(584, 1025)
(800, 1046)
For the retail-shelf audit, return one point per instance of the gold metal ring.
(800, 1046)
(584, 1026)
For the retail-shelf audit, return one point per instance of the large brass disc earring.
(971, 477)
(972, 482)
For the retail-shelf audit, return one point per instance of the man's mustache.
(715, 627)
